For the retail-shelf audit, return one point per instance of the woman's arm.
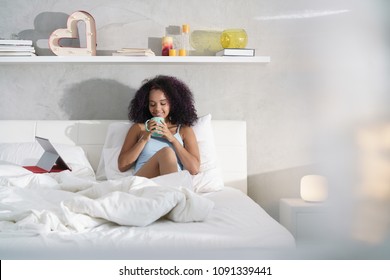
(133, 145)
(189, 152)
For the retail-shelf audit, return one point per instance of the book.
(9, 48)
(16, 48)
(236, 52)
(16, 42)
(2, 54)
(133, 52)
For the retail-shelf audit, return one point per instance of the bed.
(95, 211)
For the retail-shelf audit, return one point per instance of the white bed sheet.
(235, 222)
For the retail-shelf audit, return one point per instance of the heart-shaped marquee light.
(72, 32)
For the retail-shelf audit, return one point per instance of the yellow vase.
(234, 38)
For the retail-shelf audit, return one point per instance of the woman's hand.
(163, 129)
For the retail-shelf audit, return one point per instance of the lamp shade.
(314, 188)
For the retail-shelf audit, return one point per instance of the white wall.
(329, 69)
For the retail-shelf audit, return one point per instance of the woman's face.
(158, 104)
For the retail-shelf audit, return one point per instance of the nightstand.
(307, 221)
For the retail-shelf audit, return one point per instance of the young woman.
(176, 148)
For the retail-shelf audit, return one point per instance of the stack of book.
(134, 52)
(16, 48)
(236, 52)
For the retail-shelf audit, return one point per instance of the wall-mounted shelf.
(135, 59)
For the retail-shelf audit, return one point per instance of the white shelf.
(135, 60)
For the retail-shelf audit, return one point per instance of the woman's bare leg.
(163, 162)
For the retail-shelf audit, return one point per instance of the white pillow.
(108, 164)
(205, 137)
(110, 159)
(10, 169)
(209, 179)
(29, 153)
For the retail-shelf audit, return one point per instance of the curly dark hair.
(180, 98)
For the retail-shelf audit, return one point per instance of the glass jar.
(205, 42)
(166, 45)
(234, 39)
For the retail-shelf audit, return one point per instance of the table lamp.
(314, 188)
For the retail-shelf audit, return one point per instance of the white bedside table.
(307, 221)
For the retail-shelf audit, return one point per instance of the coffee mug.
(157, 120)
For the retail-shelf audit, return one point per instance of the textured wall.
(328, 70)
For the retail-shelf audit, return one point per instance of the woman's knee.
(167, 153)
(168, 157)
(167, 161)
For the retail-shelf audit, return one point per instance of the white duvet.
(71, 215)
(74, 201)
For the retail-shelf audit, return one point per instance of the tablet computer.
(50, 161)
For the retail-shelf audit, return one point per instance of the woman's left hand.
(163, 129)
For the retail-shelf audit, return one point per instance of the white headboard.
(230, 141)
